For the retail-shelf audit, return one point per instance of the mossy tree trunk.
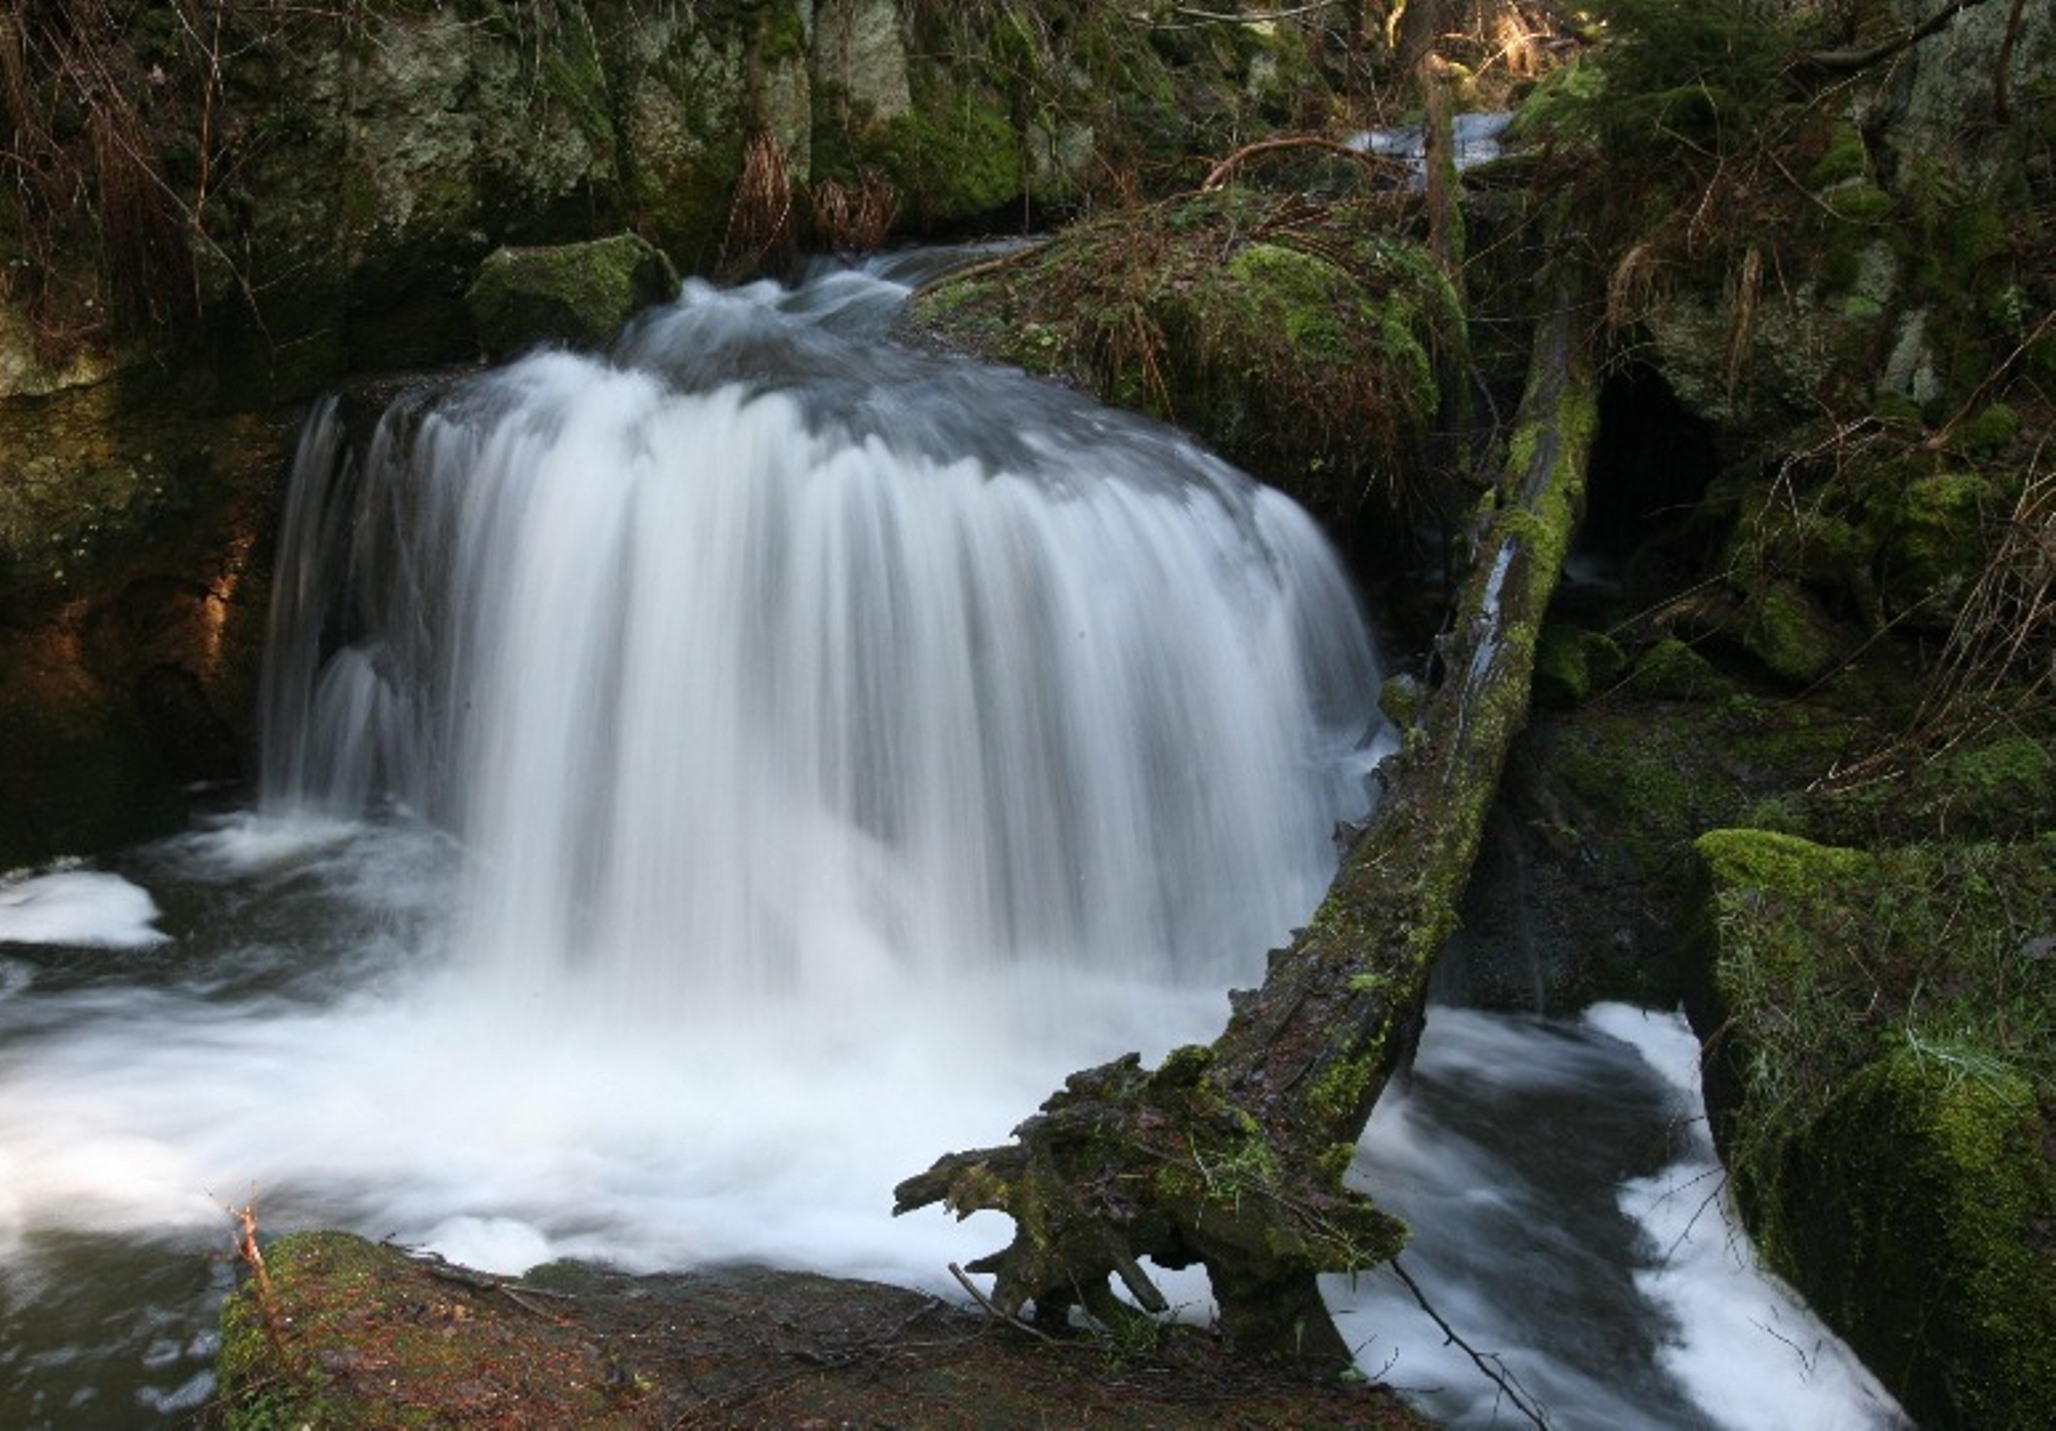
(1233, 1154)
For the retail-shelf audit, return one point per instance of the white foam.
(1569, 1225)
(501, 1132)
(86, 908)
(1730, 1311)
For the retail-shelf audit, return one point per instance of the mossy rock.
(579, 294)
(1994, 783)
(1763, 860)
(961, 163)
(1790, 634)
(1672, 670)
(1842, 161)
(1313, 360)
(1571, 661)
(1917, 1215)
(1881, 1056)
(1937, 546)
(1987, 432)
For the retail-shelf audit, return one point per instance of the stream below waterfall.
(701, 785)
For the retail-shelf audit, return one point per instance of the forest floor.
(364, 1335)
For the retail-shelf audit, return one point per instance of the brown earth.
(362, 1335)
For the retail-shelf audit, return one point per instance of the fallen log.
(1232, 1154)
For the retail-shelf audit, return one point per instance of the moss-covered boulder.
(1787, 630)
(1919, 1209)
(1936, 543)
(1881, 1070)
(1570, 662)
(1303, 343)
(578, 294)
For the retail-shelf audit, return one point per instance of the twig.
(1216, 17)
(1219, 173)
(986, 1302)
(988, 266)
(1503, 1380)
(253, 1258)
(2002, 68)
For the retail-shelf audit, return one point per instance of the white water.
(1571, 1223)
(700, 788)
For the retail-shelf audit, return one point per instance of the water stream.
(701, 785)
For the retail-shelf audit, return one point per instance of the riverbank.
(358, 1334)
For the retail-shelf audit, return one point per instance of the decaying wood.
(1232, 1154)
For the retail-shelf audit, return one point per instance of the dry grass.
(855, 218)
(762, 233)
(2002, 650)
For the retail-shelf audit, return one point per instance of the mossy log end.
(1233, 1154)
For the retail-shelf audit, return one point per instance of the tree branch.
(1851, 60)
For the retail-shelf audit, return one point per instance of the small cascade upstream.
(703, 783)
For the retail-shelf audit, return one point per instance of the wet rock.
(578, 294)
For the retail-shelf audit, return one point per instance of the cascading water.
(760, 663)
(700, 785)
(703, 785)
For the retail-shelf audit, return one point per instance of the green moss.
(2001, 784)
(261, 1387)
(1888, 1045)
(1570, 661)
(1563, 106)
(960, 160)
(573, 293)
(1758, 860)
(1986, 432)
(1339, 1093)
(1302, 291)
(1311, 362)
(1936, 544)
(1844, 159)
(1860, 204)
(782, 33)
(1917, 1214)
(1790, 634)
(1672, 670)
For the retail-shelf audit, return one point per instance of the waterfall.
(767, 658)
(703, 784)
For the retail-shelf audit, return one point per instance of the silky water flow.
(701, 784)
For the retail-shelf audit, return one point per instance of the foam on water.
(1571, 1224)
(88, 908)
(1703, 1273)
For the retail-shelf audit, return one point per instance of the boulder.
(577, 294)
